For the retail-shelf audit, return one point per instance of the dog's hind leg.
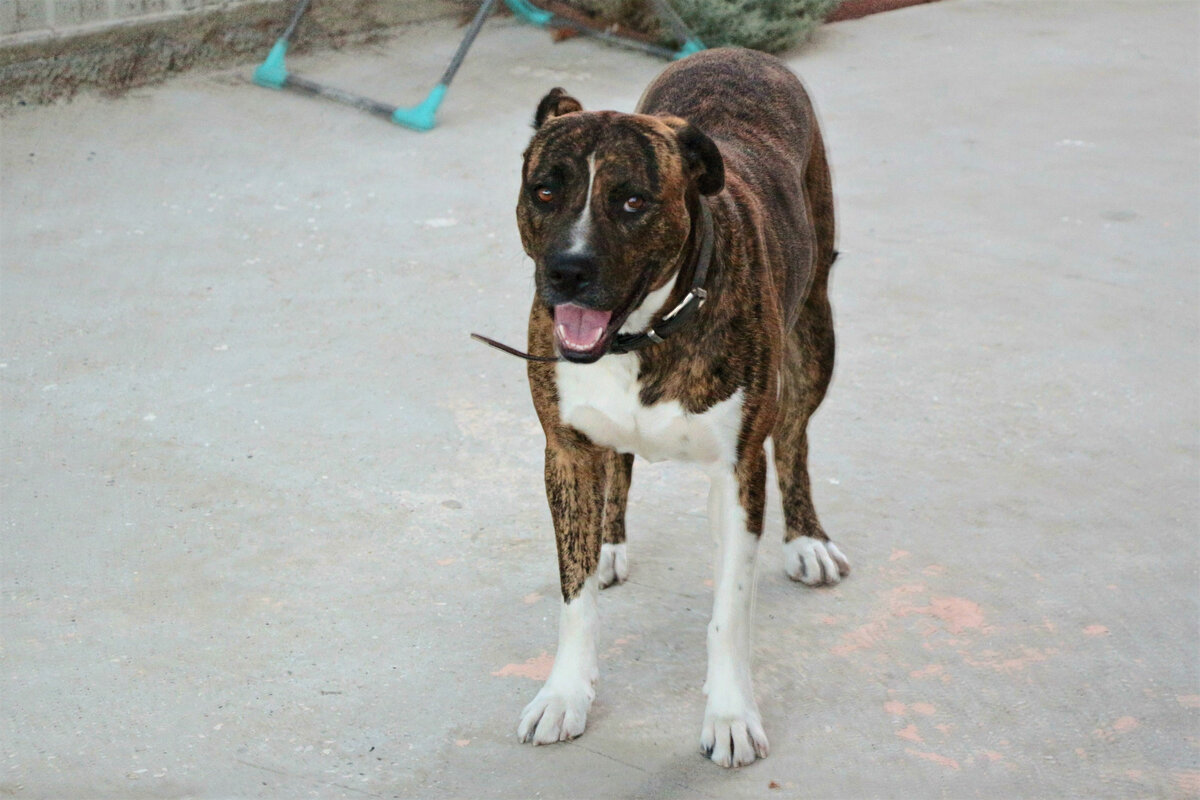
(809, 556)
(575, 491)
(614, 563)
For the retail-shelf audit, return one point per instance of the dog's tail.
(818, 185)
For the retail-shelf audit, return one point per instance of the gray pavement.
(272, 526)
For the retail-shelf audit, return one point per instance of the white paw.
(814, 562)
(614, 564)
(557, 713)
(733, 736)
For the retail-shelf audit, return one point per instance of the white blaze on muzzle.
(581, 229)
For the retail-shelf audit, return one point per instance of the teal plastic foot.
(273, 72)
(689, 47)
(529, 12)
(421, 117)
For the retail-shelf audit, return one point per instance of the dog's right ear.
(702, 158)
(555, 104)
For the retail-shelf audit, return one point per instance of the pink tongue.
(579, 328)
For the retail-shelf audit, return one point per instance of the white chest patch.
(602, 401)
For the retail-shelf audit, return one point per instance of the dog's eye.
(634, 204)
(544, 193)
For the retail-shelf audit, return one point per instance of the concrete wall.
(45, 18)
(52, 49)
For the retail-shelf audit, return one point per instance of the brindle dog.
(611, 213)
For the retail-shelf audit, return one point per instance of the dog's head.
(604, 212)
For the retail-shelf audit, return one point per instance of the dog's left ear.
(701, 156)
(555, 104)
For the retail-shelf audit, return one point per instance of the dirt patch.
(854, 9)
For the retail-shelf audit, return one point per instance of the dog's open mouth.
(582, 333)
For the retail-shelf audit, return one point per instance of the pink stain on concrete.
(532, 598)
(829, 620)
(893, 707)
(1124, 724)
(910, 733)
(952, 615)
(1095, 630)
(931, 671)
(925, 709)
(898, 554)
(958, 613)
(992, 659)
(445, 562)
(1120, 725)
(934, 757)
(536, 668)
(863, 637)
(927, 627)
(933, 570)
(1187, 782)
(1188, 700)
(866, 636)
(992, 755)
(618, 647)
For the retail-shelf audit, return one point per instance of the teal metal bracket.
(422, 116)
(692, 45)
(273, 73)
(530, 13)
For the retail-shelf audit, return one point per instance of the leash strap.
(512, 351)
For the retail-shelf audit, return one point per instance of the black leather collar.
(672, 321)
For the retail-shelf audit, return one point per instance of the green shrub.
(770, 25)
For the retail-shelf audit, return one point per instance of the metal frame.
(273, 73)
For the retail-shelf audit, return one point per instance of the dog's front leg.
(614, 563)
(575, 482)
(733, 733)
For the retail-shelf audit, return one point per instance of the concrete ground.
(273, 526)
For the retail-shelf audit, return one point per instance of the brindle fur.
(618, 469)
(767, 328)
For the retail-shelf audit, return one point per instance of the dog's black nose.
(570, 273)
